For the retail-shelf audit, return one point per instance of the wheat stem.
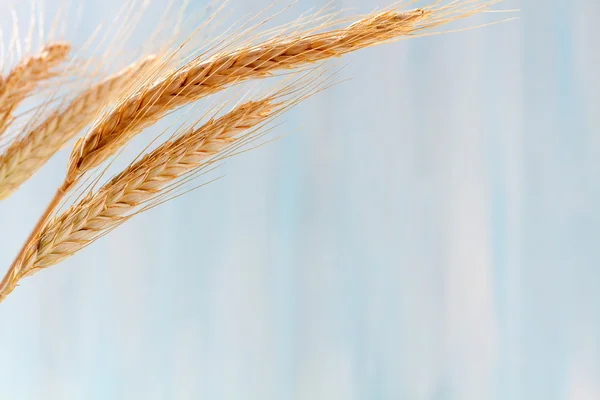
(8, 280)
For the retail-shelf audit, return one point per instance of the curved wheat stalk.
(22, 79)
(28, 153)
(131, 190)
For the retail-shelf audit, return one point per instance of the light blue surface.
(429, 231)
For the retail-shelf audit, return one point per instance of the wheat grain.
(28, 153)
(22, 79)
(133, 188)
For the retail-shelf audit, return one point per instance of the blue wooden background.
(430, 230)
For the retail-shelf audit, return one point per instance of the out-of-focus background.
(430, 230)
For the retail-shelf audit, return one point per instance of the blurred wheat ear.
(33, 149)
(23, 79)
(148, 181)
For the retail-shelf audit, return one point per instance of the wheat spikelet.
(22, 79)
(28, 153)
(201, 78)
(136, 186)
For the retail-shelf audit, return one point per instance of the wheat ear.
(28, 153)
(200, 78)
(135, 187)
(22, 79)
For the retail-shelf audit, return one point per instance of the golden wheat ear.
(146, 182)
(31, 151)
(201, 77)
(22, 80)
